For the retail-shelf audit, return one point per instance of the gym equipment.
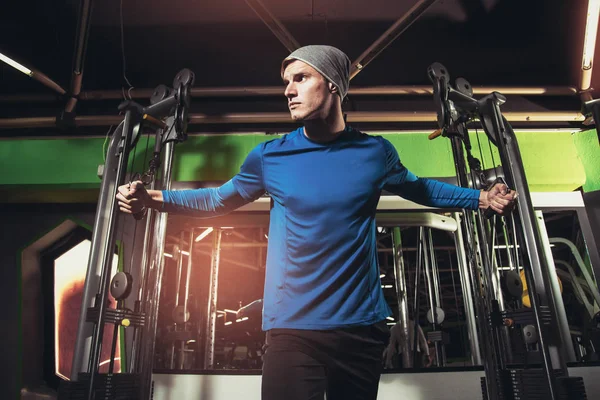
(456, 108)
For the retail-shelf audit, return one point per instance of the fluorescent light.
(382, 276)
(387, 286)
(230, 311)
(591, 31)
(391, 323)
(228, 323)
(16, 65)
(168, 255)
(390, 318)
(204, 234)
(185, 253)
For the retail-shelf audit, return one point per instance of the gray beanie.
(331, 62)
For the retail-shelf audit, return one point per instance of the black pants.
(305, 364)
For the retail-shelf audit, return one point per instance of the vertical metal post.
(178, 289)
(434, 271)
(467, 291)
(420, 251)
(401, 295)
(491, 359)
(211, 312)
(89, 337)
(151, 297)
(427, 250)
(186, 294)
(561, 315)
(536, 271)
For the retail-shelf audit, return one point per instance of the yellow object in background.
(525, 297)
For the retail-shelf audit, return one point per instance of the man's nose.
(290, 90)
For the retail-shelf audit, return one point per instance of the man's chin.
(297, 117)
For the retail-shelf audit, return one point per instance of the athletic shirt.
(322, 269)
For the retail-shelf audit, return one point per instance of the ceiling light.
(16, 65)
(591, 31)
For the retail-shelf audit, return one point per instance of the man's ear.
(332, 88)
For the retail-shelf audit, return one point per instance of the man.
(323, 309)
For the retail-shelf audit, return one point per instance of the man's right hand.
(133, 198)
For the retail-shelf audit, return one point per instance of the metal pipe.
(211, 312)
(186, 295)
(116, 162)
(416, 308)
(272, 118)
(424, 233)
(188, 273)
(107, 256)
(586, 275)
(434, 271)
(488, 342)
(155, 268)
(137, 344)
(83, 23)
(268, 91)
(467, 290)
(402, 295)
(274, 25)
(536, 271)
(179, 273)
(390, 35)
(559, 305)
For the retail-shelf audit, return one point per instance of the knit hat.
(329, 61)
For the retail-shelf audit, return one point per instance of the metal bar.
(273, 118)
(434, 271)
(186, 295)
(108, 253)
(416, 308)
(536, 271)
(137, 344)
(83, 23)
(211, 312)
(591, 244)
(273, 24)
(488, 342)
(390, 35)
(103, 226)
(401, 295)
(151, 297)
(262, 91)
(467, 289)
(427, 250)
(179, 273)
(561, 316)
(581, 264)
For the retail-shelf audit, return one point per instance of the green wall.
(588, 150)
(31, 169)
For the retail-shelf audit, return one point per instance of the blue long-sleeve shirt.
(322, 269)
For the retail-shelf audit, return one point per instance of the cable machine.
(506, 375)
(167, 116)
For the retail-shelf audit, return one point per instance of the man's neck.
(325, 130)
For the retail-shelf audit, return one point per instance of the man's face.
(309, 94)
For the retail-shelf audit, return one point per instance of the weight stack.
(531, 384)
(106, 387)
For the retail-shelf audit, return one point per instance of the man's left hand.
(499, 198)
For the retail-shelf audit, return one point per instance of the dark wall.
(22, 225)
